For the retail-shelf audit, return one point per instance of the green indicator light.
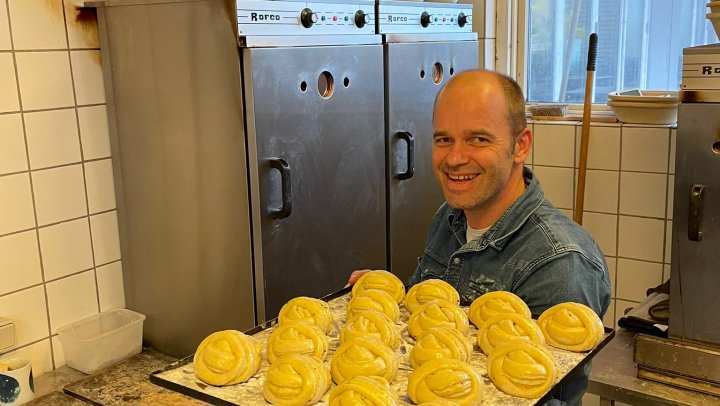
(322, 18)
(452, 19)
(436, 19)
(346, 18)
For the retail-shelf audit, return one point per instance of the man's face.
(473, 150)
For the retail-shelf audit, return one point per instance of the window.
(640, 45)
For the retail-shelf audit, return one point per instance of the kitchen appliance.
(244, 176)
(425, 44)
(312, 79)
(690, 357)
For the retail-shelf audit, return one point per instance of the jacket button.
(456, 261)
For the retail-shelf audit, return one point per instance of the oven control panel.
(407, 17)
(292, 18)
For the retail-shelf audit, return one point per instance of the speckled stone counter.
(127, 384)
(56, 399)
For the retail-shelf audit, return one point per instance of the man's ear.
(523, 143)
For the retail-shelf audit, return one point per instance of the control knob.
(462, 19)
(361, 18)
(308, 18)
(425, 19)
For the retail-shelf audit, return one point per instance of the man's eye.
(478, 140)
(442, 140)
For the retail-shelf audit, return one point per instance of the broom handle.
(585, 134)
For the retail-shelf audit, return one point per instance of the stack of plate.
(714, 15)
(645, 106)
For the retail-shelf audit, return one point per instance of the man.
(496, 230)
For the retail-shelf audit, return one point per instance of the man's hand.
(356, 275)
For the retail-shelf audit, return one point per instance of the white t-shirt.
(473, 233)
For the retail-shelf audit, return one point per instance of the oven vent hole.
(326, 84)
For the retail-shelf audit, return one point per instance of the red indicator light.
(334, 18)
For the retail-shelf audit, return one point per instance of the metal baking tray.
(180, 376)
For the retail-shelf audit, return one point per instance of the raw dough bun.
(492, 303)
(307, 310)
(373, 299)
(370, 323)
(298, 338)
(440, 343)
(364, 391)
(446, 379)
(296, 380)
(521, 368)
(438, 402)
(365, 356)
(428, 290)
(226, 358)
(380, 280)
(571, 326)
(505, 327)
(437, 313)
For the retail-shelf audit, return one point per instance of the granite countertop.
(126, 383)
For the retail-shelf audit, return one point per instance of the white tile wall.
(557, 184)
(634, 278)
(554, 145)
(12, 144)
(601, 191)
(643, 194)
(645, 149)
(55, 172)
(603, 146)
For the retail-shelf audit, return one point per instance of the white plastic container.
(645, 113)
(102, 340)
(646, 96)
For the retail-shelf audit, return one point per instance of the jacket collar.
(511, 220)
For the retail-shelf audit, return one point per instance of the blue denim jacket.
(533, 250)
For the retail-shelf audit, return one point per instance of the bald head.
(473, 82)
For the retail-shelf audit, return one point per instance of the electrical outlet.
(7, 335)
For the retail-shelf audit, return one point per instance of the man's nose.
(457, 155)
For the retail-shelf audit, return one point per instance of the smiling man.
(496, 230)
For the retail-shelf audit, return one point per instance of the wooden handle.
(585, 134)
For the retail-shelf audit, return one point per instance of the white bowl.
(645, 113)
(658, 96)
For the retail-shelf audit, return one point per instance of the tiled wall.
(59, 250)
(628, 197)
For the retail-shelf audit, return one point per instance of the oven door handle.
(284, 167)
(410, 141)
(697, 193)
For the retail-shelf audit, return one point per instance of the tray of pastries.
(375, 344)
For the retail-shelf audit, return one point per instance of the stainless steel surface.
(699, 96)
(334, 149)
(694, 277)
(614, 376)
(679, 357)
(172, 77)
(440, 37)
(410, 96)
(307, 40)
(423, 17)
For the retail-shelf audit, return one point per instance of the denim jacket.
(533, 250)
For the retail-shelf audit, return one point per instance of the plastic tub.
(661, 96)
(645, 113)
(102, 340)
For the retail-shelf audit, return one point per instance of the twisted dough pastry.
(297, 337)
(226, 358)
(370, 323)
(521, 368)
(380, 280)
(438, 402)
(437, 313)
(373, 299)
(428, 290)
(571, 326)
(440, 343)
(446, 379)
(505, 327)
(307, 310)
(492, 303)
(364, 391)
(364, 356)
(296, 380)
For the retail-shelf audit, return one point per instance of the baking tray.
(180, 375)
